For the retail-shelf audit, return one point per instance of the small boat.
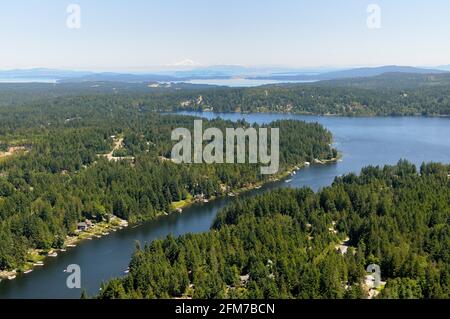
(126, 271)
(258, 187)
(53, 254)
(179, 210)
(63, 250)
(28, 271)
(231, 194)
(38, 263)
(288, 181)
(12, 277)
(71, 245)
(205, 201)
(98, 236)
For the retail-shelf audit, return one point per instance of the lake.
(362, 141)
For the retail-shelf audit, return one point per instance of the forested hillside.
(77, 158)
(387, 94)
(293, 243)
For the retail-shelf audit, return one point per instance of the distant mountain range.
(398, 81)
(215, 72)
(444, 67)
(42, 73)
(352, 73)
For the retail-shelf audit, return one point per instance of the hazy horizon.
(163, 68)
(141, 36)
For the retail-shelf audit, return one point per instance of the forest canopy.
(64, 167)
(287, 243)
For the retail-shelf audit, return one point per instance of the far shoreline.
(269, 112)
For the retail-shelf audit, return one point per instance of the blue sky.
(138, 35)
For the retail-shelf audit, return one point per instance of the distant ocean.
(239, 82)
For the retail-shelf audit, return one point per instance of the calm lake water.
(363, 141)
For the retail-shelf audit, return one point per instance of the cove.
(362, 141)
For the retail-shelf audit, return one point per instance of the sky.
(140, 35)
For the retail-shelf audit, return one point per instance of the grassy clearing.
(182, 203)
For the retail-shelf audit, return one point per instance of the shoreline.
(36, 257)
(256, 185)
(444, 116)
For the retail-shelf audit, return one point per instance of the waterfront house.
(82, 226)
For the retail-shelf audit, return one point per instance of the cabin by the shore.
(82, 226)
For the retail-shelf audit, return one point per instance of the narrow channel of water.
(362, 141)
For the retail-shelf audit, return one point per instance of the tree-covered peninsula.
(69, 160)
(294, 243)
